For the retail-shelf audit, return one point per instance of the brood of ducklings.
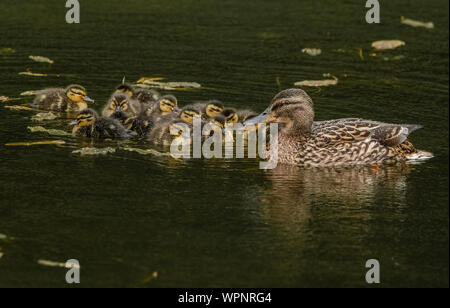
(142, 95)
(89, 124)
(122, 104)
(71, 99)
(302, 141)
(233, 116)
(208, 110)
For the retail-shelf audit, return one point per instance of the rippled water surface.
(218, 223)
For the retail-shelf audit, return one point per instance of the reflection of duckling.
(208, 110)
(71, 99)
(88, 124)
(304, 142)
(121, 103)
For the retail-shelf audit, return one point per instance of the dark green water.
(226, 223)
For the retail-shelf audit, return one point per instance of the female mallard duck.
(233, 116)
(122, 104)
(302, 141)
(88, 124)
(71, 99)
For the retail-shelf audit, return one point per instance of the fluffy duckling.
(165, 106)
(233, 116)
(71, 99)
(142, 95)
(120, 105)
(164, 133)
(302, 141)
(208, 110)
(89, 124)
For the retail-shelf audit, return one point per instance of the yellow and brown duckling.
(234, 116)
(208, 110)
(121, 104)
(167, 105)
(164, 132)
(89, 124)
(71, 99)
(142, 95)
(301, 141)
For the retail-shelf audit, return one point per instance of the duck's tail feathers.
(394, 135)
(419, 156)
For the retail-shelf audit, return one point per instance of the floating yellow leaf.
(29, 93)
(145, 152)
(52, 132)
(27, 144)
(58, 264)
(18, 108)
(4, 99)
(416, 23)
(28, 73)
(94, 151)
(171, 86)
(144, 79)
(44, 116)
(312, 51)
(3, 236)
(319, 83)
(6, 51)
(41, 59)
(390, 44)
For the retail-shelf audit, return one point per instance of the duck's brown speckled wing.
(343, 130)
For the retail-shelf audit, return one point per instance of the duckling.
(89, 124)
(233, 116)
(122, 104)
(142, 95)
(208, 110)
(188, 114)
(165, 108)
(164, 133)
(351, 141)
(71, 99)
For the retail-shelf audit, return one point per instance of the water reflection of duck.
(348, 141)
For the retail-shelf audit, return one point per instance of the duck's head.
(85, 118)
(189, 114)
(126, 89)
(292, 109)
(231, 116)
(218, 123)
(120, 102)
(179, 128)
(214, 108)
(168, 104)
(77, 94)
